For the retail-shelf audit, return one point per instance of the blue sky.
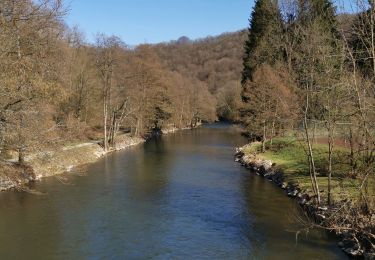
(152, 21)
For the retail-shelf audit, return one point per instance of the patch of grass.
(251, 148)
(290, 156)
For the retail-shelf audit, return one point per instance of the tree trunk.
(21, 155)
(272, 132)
(330, 153)
(105, 123)
(274, 122)
(310, 152)
(351, 143)
(314, 134)
(182, 113)
(264, 138)
(112, 130)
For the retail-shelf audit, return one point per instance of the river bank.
(64, 159)
(57, 161)
(356, 242)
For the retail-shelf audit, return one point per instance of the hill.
(214, 61)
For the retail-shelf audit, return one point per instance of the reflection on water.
(179, 196)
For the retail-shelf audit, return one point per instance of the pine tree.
(262, 45)
(319, 11)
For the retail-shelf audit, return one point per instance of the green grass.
(290, 156)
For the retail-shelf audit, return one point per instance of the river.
(180, 196)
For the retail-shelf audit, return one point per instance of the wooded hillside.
(57, 88)
(216, 62)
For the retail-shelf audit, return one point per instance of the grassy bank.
(346, 216)
(289, 156)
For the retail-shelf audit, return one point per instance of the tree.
(28, 68)
(108, 50)
(263, 43)
(81, 75)
(315, 60)
(273, 98)
(263, 47)
(360, 50)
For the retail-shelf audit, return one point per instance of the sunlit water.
(177, 197)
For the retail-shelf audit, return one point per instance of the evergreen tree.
(262, 48)
(322, 12)
(263, 43)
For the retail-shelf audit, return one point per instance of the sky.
(154, 21)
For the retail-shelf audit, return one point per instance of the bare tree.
(29, 36)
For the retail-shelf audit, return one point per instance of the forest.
(308, 98)
(57, 88)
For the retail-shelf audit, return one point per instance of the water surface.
(180, 196)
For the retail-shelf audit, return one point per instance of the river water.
(179, 196)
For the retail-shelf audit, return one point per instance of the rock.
(284, 185)
(267, 174)
(239, 153)
(267, 164)
(369, 255)
(303, 198)
(340, 244)
(349, 243)
(353, 252)
(6, 183)
(302, 201)
(293, 193)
